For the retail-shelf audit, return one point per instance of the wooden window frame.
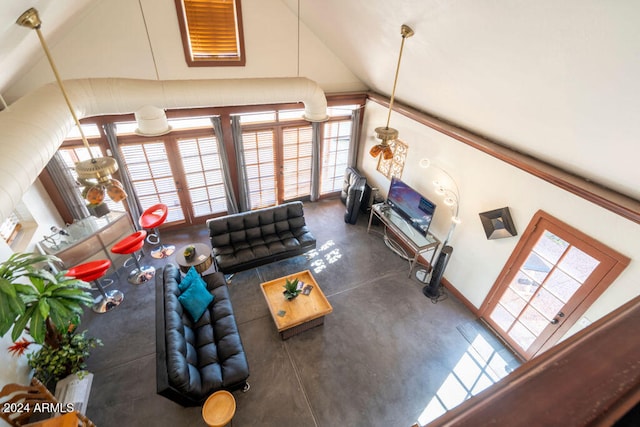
(239, 61)
(617, 262)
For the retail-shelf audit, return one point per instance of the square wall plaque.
(498, 224)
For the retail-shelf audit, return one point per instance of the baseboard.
(449, 286)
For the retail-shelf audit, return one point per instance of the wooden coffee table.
(299, 314)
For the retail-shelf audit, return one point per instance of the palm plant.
(45, 305)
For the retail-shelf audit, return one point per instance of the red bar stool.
(151, 219)
(130, 245)
(92, 271)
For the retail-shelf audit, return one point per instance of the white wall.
(110, 40)
(487, 183)
(40, 208)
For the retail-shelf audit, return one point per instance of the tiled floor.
(386, 356)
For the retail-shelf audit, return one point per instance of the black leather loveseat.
(195, 359)
(249, 239)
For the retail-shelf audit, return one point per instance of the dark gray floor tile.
(381, 356)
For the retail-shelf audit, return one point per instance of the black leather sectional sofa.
(194, 359)
(249, 239)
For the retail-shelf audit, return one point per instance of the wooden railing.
(590, 379)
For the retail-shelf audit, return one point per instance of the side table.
(201, 261)
(219, 409)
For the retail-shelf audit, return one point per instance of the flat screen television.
(411, 205)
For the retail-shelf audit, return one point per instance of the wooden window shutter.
(211, 32)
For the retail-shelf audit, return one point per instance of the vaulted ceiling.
(556, 80)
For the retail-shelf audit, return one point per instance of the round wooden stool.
(219, 409)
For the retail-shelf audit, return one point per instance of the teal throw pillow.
(195, 299)
(191, 276)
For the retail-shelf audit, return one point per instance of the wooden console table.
(403, 231)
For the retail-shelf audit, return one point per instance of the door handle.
(555, 319)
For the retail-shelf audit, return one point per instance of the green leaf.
(45, 275)
(7, 315)
(21, 323)
(43, 306)
(25, 289)
(38, 283)
(60, 314)
(37, 327)
(7, 287)
(82, 297)
(17, 304)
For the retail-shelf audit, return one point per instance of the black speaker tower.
(432, 290)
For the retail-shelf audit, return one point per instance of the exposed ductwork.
(34, 127)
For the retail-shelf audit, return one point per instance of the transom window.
(211, 32)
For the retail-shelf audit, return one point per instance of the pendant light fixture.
(94, 173)
(385, 133)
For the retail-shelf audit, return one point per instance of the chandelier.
(94, 173)
(385, 133)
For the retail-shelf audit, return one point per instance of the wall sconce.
(498, 224)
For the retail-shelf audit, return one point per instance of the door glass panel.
(296, 156)
(550, 247)
(562, 285)
(536, 267)
(502, 317)
(150, 171)
(522, 336)
(335, 155)
(259, 158)
(578, 264)
(533, 320)
(513, 302)
(203, 175)
(524, 285)
(547, 304)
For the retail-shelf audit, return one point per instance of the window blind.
(213, 30)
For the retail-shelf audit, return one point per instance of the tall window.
(260, 165)
(296, 156)
(211, 32)
(152, 177)
(335, 155)
(203, 175)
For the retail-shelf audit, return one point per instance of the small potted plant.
(291, 289)
(189, 253)
(44, 304)
(53, 364)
